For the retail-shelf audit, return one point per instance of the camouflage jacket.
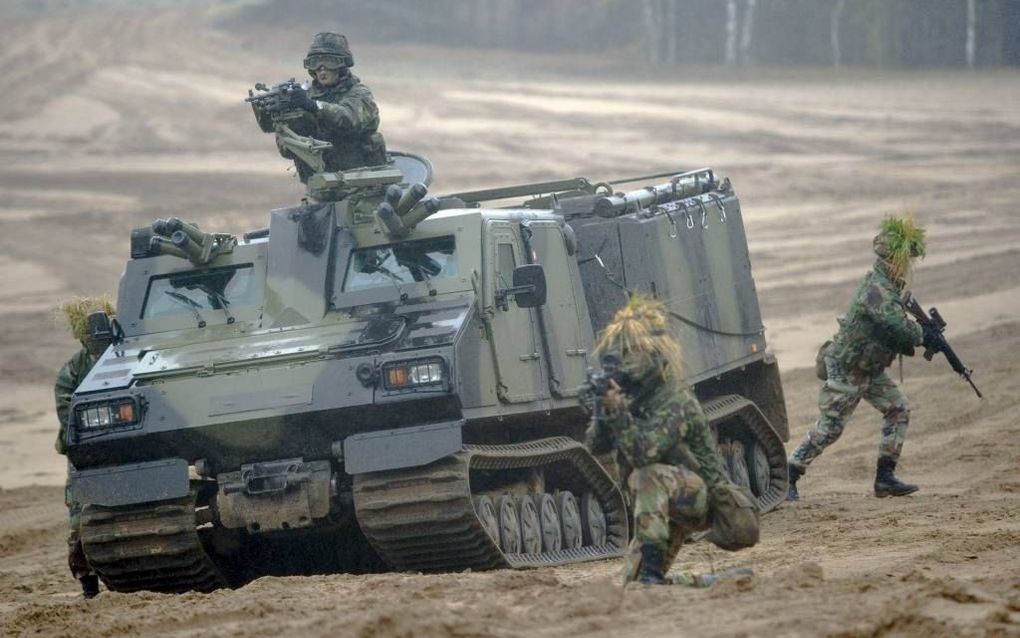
(665, 427)
(875, 329)
(72, 374)
(348, 118)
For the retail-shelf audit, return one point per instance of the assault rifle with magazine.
(934, 340)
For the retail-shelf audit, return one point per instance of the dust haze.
(114, 118)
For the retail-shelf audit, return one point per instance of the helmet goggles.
(331, 62)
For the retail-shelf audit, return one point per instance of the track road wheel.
(758, 469)
(509, 525)
(531, 530)
(593, 520)
(570, 520)
(549, 521)
(486, 512)
(735, 459)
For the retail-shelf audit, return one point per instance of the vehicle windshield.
(404, 262)
(214, 289)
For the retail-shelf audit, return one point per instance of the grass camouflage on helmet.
(77, 310)
(639, 333)
(898, 242)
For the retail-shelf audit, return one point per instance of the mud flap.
(402, 447)
(129, 484)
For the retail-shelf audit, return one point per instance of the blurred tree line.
(884, 33)
(859, 33)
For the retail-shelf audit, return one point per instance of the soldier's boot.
(795, 473)
(89, 585)
(651, 566)
(886, 483)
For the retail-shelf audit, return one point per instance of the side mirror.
(529, 286)
(103, 332)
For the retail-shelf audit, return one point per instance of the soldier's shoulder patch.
(874, 296)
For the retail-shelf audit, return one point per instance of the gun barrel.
(971, 382)
(680, 187)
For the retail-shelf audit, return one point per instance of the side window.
(505, 264)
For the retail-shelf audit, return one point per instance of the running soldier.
(853, 365)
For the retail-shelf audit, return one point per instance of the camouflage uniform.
(94, 337)
(70, 376)
(874, 331)
(348, 118)
(666, 446)
(343, 114)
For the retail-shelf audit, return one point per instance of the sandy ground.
(98, 136)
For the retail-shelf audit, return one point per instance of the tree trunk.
(651, 30)
(668, 30)
(837, 12)
(731, 31)
(747, 31)
(971, 32)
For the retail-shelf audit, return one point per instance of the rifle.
(934, 341)
(597, 385)
(277, 102)
(274, 100)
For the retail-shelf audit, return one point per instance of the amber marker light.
(418, 373)
(126, 412)
(396, 377)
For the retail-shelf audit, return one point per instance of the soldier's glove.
(299, 99)
(616, 400)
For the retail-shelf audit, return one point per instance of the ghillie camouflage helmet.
(329, 50)
(898, 243)
(77, 310)
(639, 334)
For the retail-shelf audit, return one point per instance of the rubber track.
(423, 518)
(149, 546)
(733, 405)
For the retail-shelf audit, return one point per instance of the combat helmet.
(77, 311)
(330, 50)
(898, 243)
(639, 335)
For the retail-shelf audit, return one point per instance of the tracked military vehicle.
(383, 379)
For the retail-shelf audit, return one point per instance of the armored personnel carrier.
(383, 379)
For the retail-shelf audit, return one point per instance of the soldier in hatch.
(338, 109)
(663, 442)
(73, 372)
(874, 331)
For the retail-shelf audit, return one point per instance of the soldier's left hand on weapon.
(615, 400)
(932, 337)
(298, 98)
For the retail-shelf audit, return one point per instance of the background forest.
(881, 33)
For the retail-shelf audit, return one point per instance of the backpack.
(734, 516)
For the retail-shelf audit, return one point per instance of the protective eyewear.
(331, 62)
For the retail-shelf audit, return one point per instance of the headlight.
(107, 414)
(402, 375)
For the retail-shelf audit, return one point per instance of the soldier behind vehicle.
(666, 449)
(77, 312)
(337, 108)
(853, 364)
